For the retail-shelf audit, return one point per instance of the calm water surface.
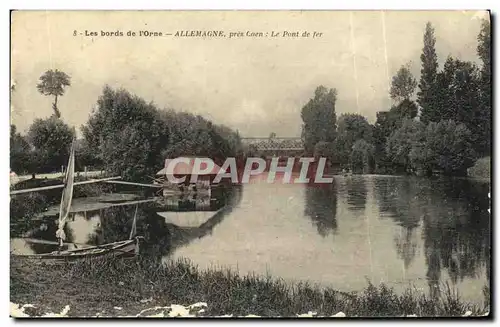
(398, 230)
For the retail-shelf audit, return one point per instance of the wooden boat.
(125, 248)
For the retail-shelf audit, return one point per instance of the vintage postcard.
(250, 164)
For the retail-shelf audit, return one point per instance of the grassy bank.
(99, 286)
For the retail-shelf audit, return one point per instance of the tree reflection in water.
(115, 223)
(400, 199)
(356, 192)
(321, 207)
(455, 224)
(457, 231)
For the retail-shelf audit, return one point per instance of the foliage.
(406, 109)
(362, 157)
(484, 44)
(381, 131)
(447, 147)
(458, 92)
(403, 84)
(351, 128)
(86, 156)
(319, 118)
(400, 142)
(484, 52)
(52, 82)
(127, 134)
(51, 141)
(325, 150)
(194, 135)
(133, 138)
(426, 94)
(19, 151)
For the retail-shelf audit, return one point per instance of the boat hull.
(127, 248)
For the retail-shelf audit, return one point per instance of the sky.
(256, 85)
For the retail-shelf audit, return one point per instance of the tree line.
(444, 129)
(124, 135)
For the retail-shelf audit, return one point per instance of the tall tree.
(403, 84)
(53, 82)
(458, 98)
(426, 94)
(484, 52)
(319, 118)
(484, 45)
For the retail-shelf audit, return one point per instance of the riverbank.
(116, 287)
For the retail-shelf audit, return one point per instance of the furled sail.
(67, 195)
(133, 231)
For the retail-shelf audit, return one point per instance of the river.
(403, 231)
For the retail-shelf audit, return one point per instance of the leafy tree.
(133, 138)
(194, 135)
(51, 141)
(86, 156)
(52, 82)
(400, 143)
(127, 133)
(484, 45)
(444, 90)
(448, 147)
(426, 94)
(325, 150)
(19, 151)
(387, 122)
(403, 84)
(362, 157)
(406, 109)
(381, 131)
(272, 135)
(459, 87)
(351, 127)
(484, 52)
(319, 118)
(402, 89)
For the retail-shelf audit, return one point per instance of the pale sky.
(255, 85)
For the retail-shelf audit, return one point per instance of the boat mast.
(66, 196)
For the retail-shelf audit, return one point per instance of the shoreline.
(117, 287)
